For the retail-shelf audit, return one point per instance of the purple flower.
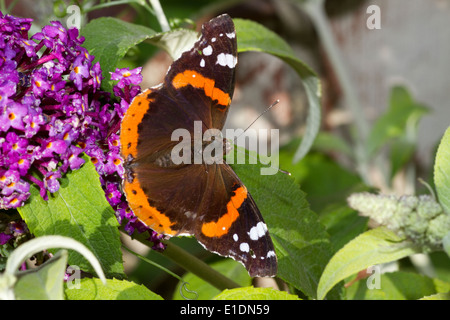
(53, 111)
(12, 116)
(18, 227)
(4, 238)
(51, 181)
(80, 71)
(126, 76)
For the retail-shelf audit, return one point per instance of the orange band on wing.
(149, 215)
(195, 79)
(129, 127)
(219, 228)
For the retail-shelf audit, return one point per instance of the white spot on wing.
(202, 63)
(235, 237)
(258, 231)
(244, 247)
(207, 51)
(226, 59)
(231, 35)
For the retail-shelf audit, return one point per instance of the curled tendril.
(184, 286)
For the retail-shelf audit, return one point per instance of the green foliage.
(93, 289)
(109, 39)
(398, 286)
(252, 36)
(320, 240)
(373, 247)
(302, 245)
(204, 290)
(44, 283)
(397, 129)
(79, 210)
(250, 293)
(442, 171)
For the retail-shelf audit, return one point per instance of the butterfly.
(206, 200)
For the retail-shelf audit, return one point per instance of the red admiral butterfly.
(205, 200)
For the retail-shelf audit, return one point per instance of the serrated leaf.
(373, 247)
(252, 36)
(44, 282)
(442, 171)
(109, 39)
(301, 242)
(206, 291)
(251, 293)
(93, 289)
(175, 42)
(80, 211)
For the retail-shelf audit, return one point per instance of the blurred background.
(410, 49)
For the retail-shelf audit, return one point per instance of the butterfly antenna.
(270, 107)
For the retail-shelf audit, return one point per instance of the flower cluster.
(50, 106)
(52, 111)
(108, 161)
(420, 219)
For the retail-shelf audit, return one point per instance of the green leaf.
(174, 42)
(442, 171)
(79, 210)
(402, 151)
(446, 243)
(400, 120)
(301, 242)
(393, 286)
(327, 142)
(373, 247)
(252, 36)
(31, 247)
(438, 296)
(44, 282)
(251, 293)
(206, 291)
(109, 39)
(441, 262)
(315, 172)
(343, 224)
(93, 289)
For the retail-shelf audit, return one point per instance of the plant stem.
(160, 15)
(111, 4)
(191, 263)
(315, 9)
